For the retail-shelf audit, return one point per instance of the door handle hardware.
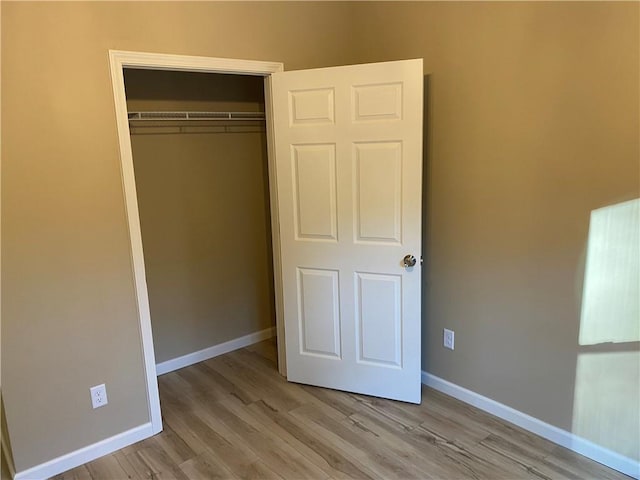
(409, 261)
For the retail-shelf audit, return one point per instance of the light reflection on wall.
(607, 390)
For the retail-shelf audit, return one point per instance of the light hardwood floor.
(235, 417)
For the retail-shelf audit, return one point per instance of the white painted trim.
(155, 61)
(214, 351)
(86, 454)
(118, 61)
(190, 63)
(556, 435)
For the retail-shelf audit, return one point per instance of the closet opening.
(380, 116)
(200, 159)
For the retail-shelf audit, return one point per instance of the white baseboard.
(86, 454)
(110, 445)
(214, 351)
(556, 435)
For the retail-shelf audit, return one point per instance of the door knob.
(409, 261)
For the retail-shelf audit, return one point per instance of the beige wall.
(532, 123)
(203, 196)
(69, 312)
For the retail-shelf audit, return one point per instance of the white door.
(348, 148)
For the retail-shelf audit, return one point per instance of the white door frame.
(120, 60)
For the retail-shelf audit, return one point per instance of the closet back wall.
(204, 211)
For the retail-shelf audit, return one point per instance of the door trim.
(119, 60)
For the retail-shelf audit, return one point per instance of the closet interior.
(200, 160)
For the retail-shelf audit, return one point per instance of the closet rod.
(198, 116)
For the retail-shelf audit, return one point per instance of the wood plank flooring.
(234, 416)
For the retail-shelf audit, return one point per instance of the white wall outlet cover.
(99, 396)
(448, 339)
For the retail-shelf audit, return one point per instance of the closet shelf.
(195, 116)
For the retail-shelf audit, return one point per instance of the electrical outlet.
(448, 338)
(99, 396)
